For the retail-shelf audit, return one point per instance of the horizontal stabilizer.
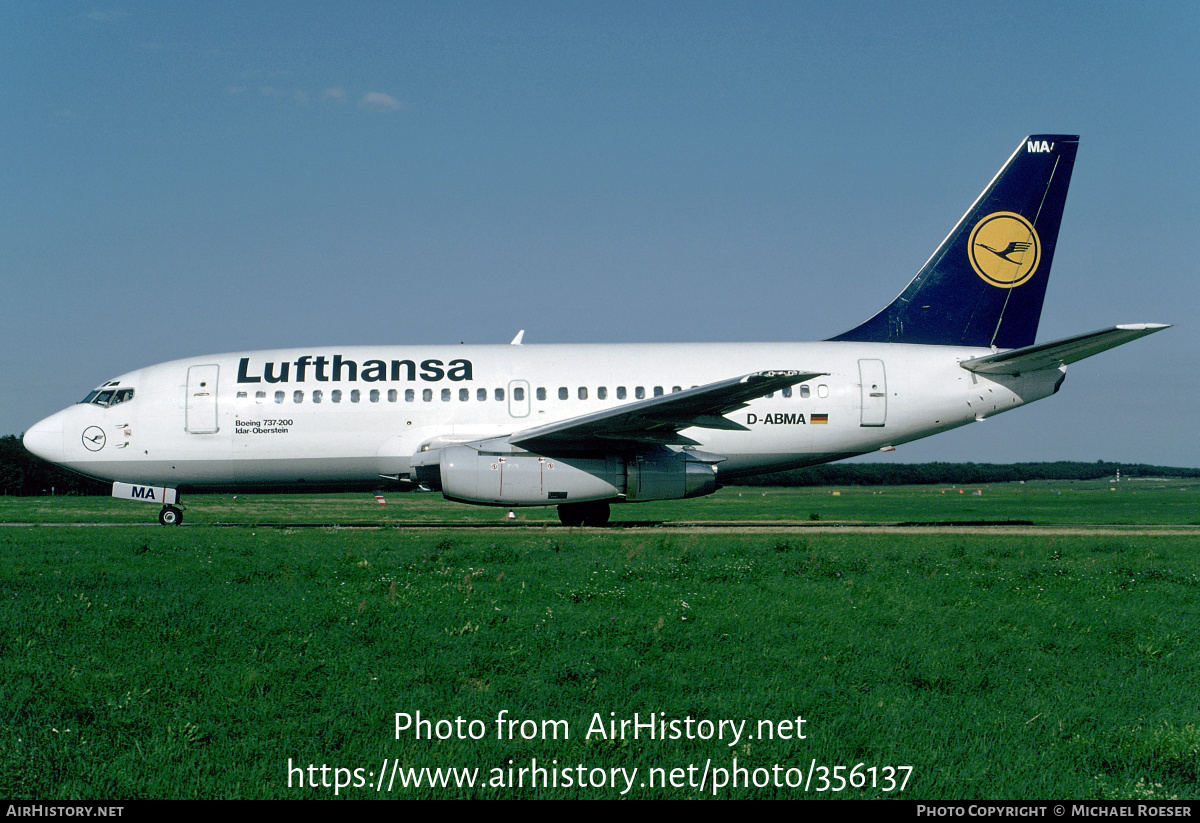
(1059, 352)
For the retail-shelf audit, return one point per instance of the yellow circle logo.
(1004, 249)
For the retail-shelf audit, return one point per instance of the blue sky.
(187, 178)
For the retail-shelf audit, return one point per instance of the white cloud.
(378, 101)
(371, 101)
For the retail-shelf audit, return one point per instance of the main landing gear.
(583, 514)
(170, 516)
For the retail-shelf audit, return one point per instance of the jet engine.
(475, 474)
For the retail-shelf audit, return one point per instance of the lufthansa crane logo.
(93, 438)
(1004, 249)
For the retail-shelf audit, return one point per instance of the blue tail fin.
(985, 284)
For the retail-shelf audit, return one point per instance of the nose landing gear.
(170, 516)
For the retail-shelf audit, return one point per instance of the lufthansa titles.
(341, 370)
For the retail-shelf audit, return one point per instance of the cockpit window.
(108, 396)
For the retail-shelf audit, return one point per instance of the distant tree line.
(956, 474)
(22, 474)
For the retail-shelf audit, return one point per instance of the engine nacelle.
(523, 479)
(528, 479)
(668, 475)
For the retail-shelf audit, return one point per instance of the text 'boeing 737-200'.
(585, 426)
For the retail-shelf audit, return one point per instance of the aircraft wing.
(1059, 352)
(659, 420)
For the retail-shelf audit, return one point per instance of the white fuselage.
(354, 417)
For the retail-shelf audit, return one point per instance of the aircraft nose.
(45, 439)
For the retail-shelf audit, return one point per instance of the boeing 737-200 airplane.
(583, 426)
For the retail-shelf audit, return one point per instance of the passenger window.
(804, 391)
(499, 394)
(427, 395)
(583, 392)
(336, 395)
(242, 395)
(374, 396)
(541, 393)
(675, 389)
(563, 394)
(409, 395)
(822, 390)
(620, 392)
(518, 393)
(297, 396)
(464, 395)
(481, 395)
(260, 396)
(787, 391)
(601, 392)
(355, 394)
(639, 393)
(393, 395)
(279, 396)
(658, 392)
(445, 395)
(317, 395)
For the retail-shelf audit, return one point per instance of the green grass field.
(1139, 501)
(271, 662)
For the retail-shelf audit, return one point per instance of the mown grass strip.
(197, 662)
